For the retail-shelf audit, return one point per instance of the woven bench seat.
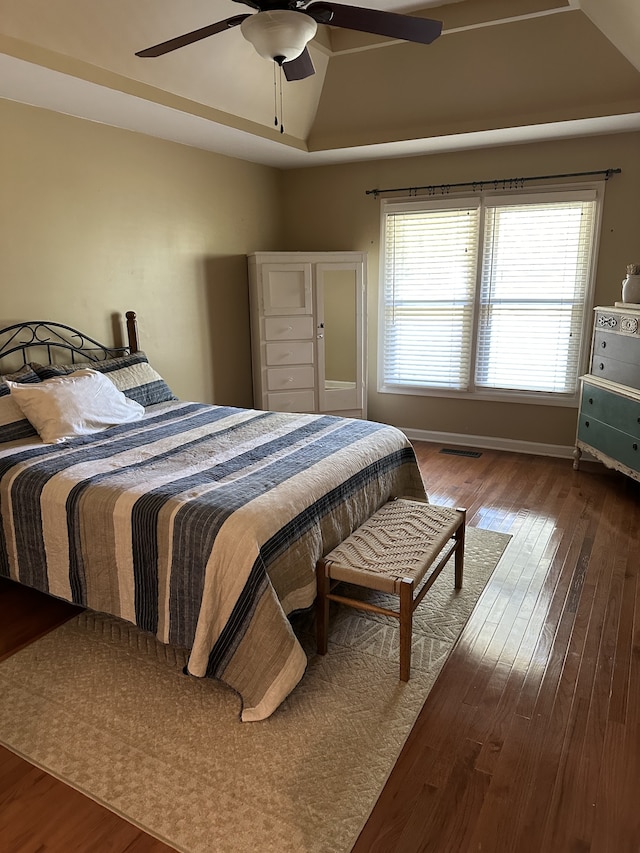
(403, 543)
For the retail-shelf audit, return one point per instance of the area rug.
(107, 709)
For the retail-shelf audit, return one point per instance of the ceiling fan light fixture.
(280, 35)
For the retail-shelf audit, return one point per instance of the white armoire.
(308, 331)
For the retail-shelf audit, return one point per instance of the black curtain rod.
(512, 183)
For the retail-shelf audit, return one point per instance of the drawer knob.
(603, 344)
(635, 446)
(601, 366)
(586, 423)
(591, 403)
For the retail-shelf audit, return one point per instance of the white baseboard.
(487, 442)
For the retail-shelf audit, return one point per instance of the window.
(488, 296)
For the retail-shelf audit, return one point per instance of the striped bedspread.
(201, 524)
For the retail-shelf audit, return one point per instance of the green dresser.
(609, 417)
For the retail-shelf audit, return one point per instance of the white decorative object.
(631, 285)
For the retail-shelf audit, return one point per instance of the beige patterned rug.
(106, 709)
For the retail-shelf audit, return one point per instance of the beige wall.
(338, 215)
(96, 220)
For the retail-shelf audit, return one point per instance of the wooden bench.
(392, 552)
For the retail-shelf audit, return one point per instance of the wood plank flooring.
(530, 738)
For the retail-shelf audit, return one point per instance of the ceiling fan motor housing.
(280, 35)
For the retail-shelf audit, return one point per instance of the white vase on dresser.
(308, 331)
(631, 289)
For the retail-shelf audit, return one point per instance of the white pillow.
(81, 403)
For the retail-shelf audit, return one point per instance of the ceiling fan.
(280, 30)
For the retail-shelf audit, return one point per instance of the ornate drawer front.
(285, 378)
(623, 413)
(288, 328)
(621, 372)
(296, 352)
(294, 401)
(613, 442)
(627, 322)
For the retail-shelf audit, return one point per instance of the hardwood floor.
(26, 614)
(530, 738)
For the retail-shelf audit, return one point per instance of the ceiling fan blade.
(390, 24)
(300, 67)
(190, 38)
(253, 3)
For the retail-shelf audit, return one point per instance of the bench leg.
(322, 607)
(406, 627)
(459, 558)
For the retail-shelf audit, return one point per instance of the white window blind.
(487, 295)
(429, 284)
(535, 276)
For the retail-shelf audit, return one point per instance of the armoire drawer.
(288, 328)
(289, 352)
(613, 442)
(293, 401)
(285, 378)
(620, 412)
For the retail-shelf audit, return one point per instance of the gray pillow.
(13, 424)
(131, 374)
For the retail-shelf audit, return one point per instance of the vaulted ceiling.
(502, 70)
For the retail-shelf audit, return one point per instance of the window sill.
(535, 398)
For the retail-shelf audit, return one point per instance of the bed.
(201, 524)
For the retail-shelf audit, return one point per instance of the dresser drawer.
(621, 347)
(620, 412)
(622, 372)
(288, 328)
(293, 401)
(294, 352)
(285, 378)
(611, 441)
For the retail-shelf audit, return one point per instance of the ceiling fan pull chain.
(281, 104)
(275, 96)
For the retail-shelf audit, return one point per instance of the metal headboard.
(45, 337)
